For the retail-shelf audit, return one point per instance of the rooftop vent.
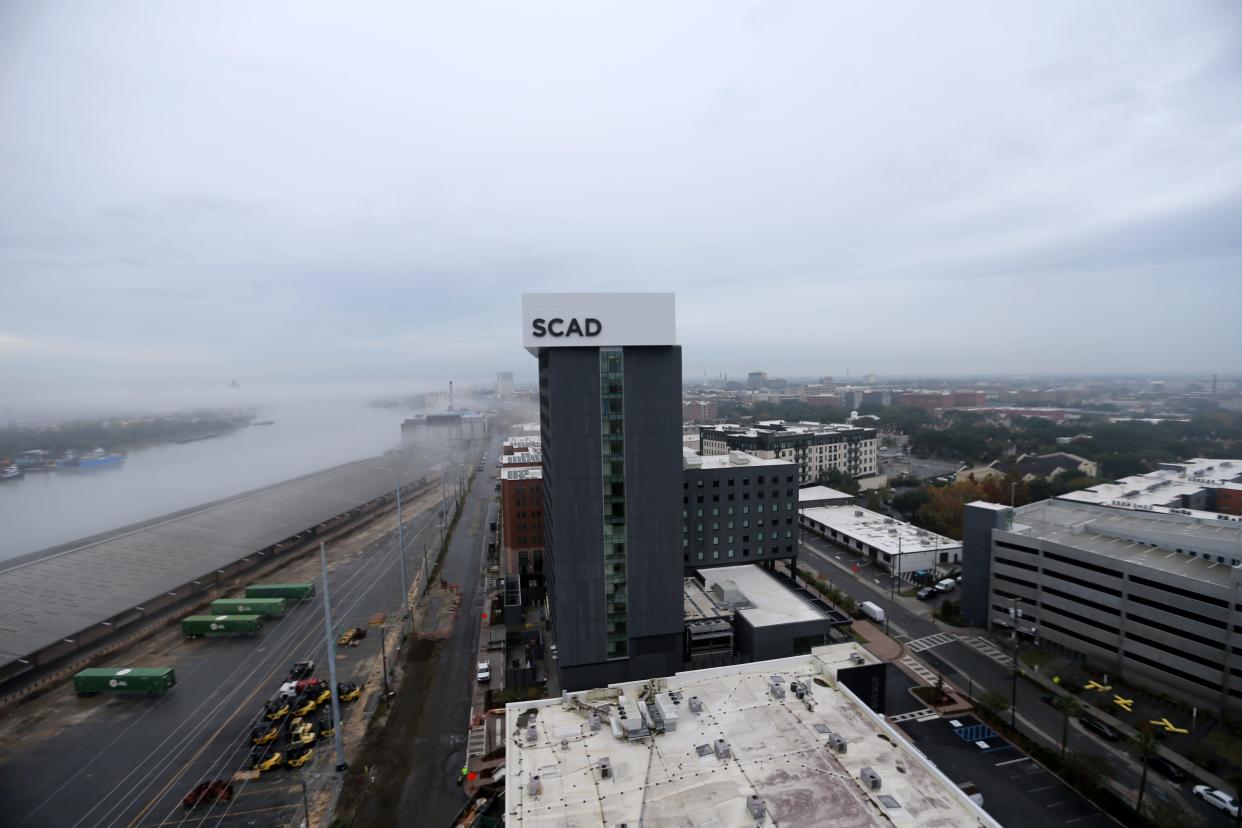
(722, 749)
(756, 807)
(870, 779)
(837, 742)
(534, 787)
(594, 720)
(696, 704)
(605, 768)
(532, 734)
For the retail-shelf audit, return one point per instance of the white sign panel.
(593, 320)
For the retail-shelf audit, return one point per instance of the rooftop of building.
(1160, 490)
(690, 459)
(814, 493)
(783, 427)
(522, 458)
(699, 605)
(527, 441)
(523, 473)
(757, 596)
(1147, 539)
(732, 752)
(886, 534)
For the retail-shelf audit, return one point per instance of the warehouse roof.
(728, 752)
(760, 598)
(886, 534)
(78, 586)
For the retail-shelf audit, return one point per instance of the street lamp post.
(341, 764)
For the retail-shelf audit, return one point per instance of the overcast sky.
(298, 191)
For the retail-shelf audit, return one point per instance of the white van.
(873, 611)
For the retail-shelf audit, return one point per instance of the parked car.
(347, 691)
(276, 709)
(1099, 728)
(1217, 799)
(207, 793)
(1166, 768)
(301, 669)
(263, 733)
(303, 705)
(484, 672)
(299, 756)
(947, 585)
(926, 593)
(263, 759)
(351, 636)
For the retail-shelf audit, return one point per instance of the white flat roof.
(777, 750)
(1160, 490)
(821, 493)
(691, 459)
(784, 427)
(524, 473)
(771, 601)
(879, 531)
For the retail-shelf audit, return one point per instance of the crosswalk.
(927, 642)
(924, 715)
(915, 666)
(987, 648)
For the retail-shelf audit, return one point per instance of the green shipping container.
(124, 680)
(267, 607)
(196, 625)
(293, 592)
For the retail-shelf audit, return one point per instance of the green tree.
(946, 505)
(873, 501)
(839, 480)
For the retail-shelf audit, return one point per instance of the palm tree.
(1147, 745)
(1069, 706)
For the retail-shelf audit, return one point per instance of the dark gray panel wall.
(653, 490)
(574, 504)
(978, 523)
(573, 512)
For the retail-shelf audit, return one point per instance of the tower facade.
(610, 417)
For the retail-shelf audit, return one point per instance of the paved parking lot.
(1016, 790)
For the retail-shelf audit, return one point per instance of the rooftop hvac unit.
(696, 704)
(870, 779)
(776, 691)
(534, 787)
(858, 513)
(857, 658)
(837, 742)
(532, 733)
(756, 807)
(605, 768)
(722, 749)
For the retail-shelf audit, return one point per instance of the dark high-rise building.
(610, 416)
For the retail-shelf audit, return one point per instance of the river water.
(50, 508)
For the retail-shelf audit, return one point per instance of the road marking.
(1012, 761)
(1062, 802)
(915, 666)
(927, 642)
(987, 648)
(1044, 788)
(1091, 815)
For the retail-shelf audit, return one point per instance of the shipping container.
(293, 592)
(196, 625)
(267, 607)
(124, 680)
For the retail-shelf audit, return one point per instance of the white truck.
(873, 611)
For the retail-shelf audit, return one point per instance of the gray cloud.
(293, 190)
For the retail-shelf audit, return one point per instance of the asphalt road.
(430, 787)
(910, 621)
(128, 761)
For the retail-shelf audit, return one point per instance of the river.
(49, 508)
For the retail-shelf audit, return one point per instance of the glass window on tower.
(612, 439)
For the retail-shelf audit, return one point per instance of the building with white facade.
(894, 544)
(783, 742)
(815, 447)
(504, 383)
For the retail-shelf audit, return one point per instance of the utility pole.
(305, 801)
(341, 764)
(891, 578)
(405, 584)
